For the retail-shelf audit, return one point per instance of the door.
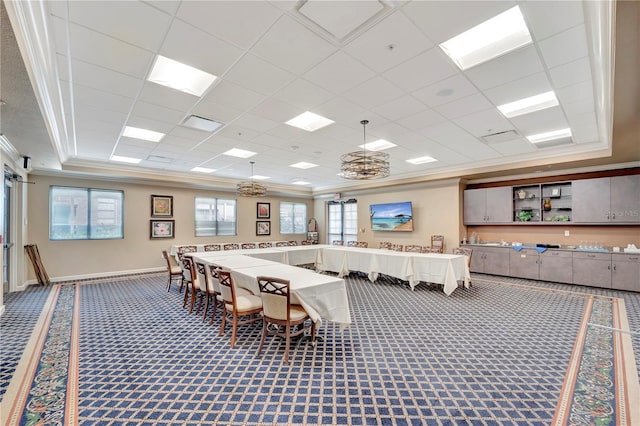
(475, 206)
(7, 244)
(591, 200)
(499, 205)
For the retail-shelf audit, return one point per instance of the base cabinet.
(592, 269)
(556, 266)
(524, 264)
(490, 260)
(625, 273)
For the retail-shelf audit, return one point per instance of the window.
(85, 214)
(215, 216)
(343, 221)
(293, 218)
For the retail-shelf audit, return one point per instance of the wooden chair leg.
(224, 322)
(215, 308)
(264, 335)
(186, 295)
(206, 307)
(234, 329)
(287, 330)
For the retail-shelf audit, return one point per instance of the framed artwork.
(555, 192)
(162, 228)
(263, 227)
(161, 206)
(264, 210)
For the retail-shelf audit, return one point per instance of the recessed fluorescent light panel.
(301, 182)
(421, 160)
(241, 153)
(259, 177)
(179, 76)
(201, 123)
(490, 39)
(203, 170)
(309, 121)
(303, 165)
(125, 159)
(144, 134)
(378, 145)
(529, 105)
(549, 136)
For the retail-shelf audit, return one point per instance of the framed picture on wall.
(161, 206)
(264, 210)
(263, 227)
(162, 228)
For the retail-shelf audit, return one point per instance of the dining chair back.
(396, 247)
(413, 248)
(212, 247)
(468, 252)
(206, 288)
(282, 243)
(437, 242)
(279, 316)
(427, 249)
(266, 244)
(248, 245)
(231, 246)
(292, 243)
(338, 243)
(175, 271)
(362, 244)
(351, 243)
(386, 245)
(192, 288)
(307, 242)
(236, 306)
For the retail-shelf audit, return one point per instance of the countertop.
(563, 248)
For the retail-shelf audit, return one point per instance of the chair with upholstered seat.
(180, 252)
(413, 248)
(362, 244)
(175, 271)
(396, 247)
(231, 246)
(385, 245)
(279, 316)
(292, 243)
(212, 247)
(468, 252)
(282, 243)
(338, 243)
(205, 287)
(237, 306)
(351, 243)
(266, 244)
(437, 242)
(306, 242)
(248, 245)
(193, 288)
(427, 249)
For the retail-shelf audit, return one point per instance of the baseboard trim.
(98, 275)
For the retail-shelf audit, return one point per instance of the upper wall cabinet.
(488, 205)
(607, 200)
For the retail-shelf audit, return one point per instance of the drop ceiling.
(89, 61)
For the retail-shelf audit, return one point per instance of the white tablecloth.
(303, 255)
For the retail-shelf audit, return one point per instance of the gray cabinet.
(488, 205)
(592, 269)
(607, 200)
(524, 263)
(490, 260)
(556, 266)
(625, 274)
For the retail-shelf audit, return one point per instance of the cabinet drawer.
(557, 253)
(626, 257)
(596, 256)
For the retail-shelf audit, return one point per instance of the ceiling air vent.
(504, 136)
(201, 123)
(159, 159)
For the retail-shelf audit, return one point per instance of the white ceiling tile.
(389, 43)
(399, 108)
(162, 95)
(464, 106)
(238, 133)
(168, 6)
(424, 118)
(185, 43)
(564, 47)
(303, 94)
(484, 123)
(514, 147)
(339, 73)
(85, 95)
(571, 73)
(234, 96)
(540, 121)
(99, 114)
(422, 146)
(103, 79)
(258, 75)
(371, 93)
(286, 132)
(519, 89)
(129, 21)
(160, 113)
(422, 70)
(177, 144)
(238, 22)
(341, 111)
(441, 20)
(584, 128)
(98, 49)
(546, 18)
(188, 133)
(150, 124)
(217, 112)
(275, 110)
(578, 107)
(575, 92)
(445, 91)
(292, 46)
(512, 66)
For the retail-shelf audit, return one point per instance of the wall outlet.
(567, 233)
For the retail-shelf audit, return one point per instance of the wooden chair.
(351, 243)
(437, 242)
(282, 243)
(292, 243)
(396, 247)
(266, 244)
(231, 246)
(307, 242)
(467, 252)
(212, 247)
(279, 316)
(427, 249)
(362, 244)
(237, 306)
(180, 252)
(193, 286)
(385, 245)
(248, 245)
(207, 291)
(338, 243)
(175, 271)
(412, 248)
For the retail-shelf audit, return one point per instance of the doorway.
(7, 237)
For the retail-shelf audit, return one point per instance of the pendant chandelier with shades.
(362, 165)
(251, 189)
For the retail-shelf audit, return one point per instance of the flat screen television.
(391, 216)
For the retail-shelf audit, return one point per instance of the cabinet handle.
(614, 267)
(608, 215)
(633, 258)
(609, 266)
(613, 215)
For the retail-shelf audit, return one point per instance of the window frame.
(217, 233)
(293, 218)
(341, 220)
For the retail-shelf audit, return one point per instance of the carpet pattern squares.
(494, 354)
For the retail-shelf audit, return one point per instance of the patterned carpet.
(504, 352)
